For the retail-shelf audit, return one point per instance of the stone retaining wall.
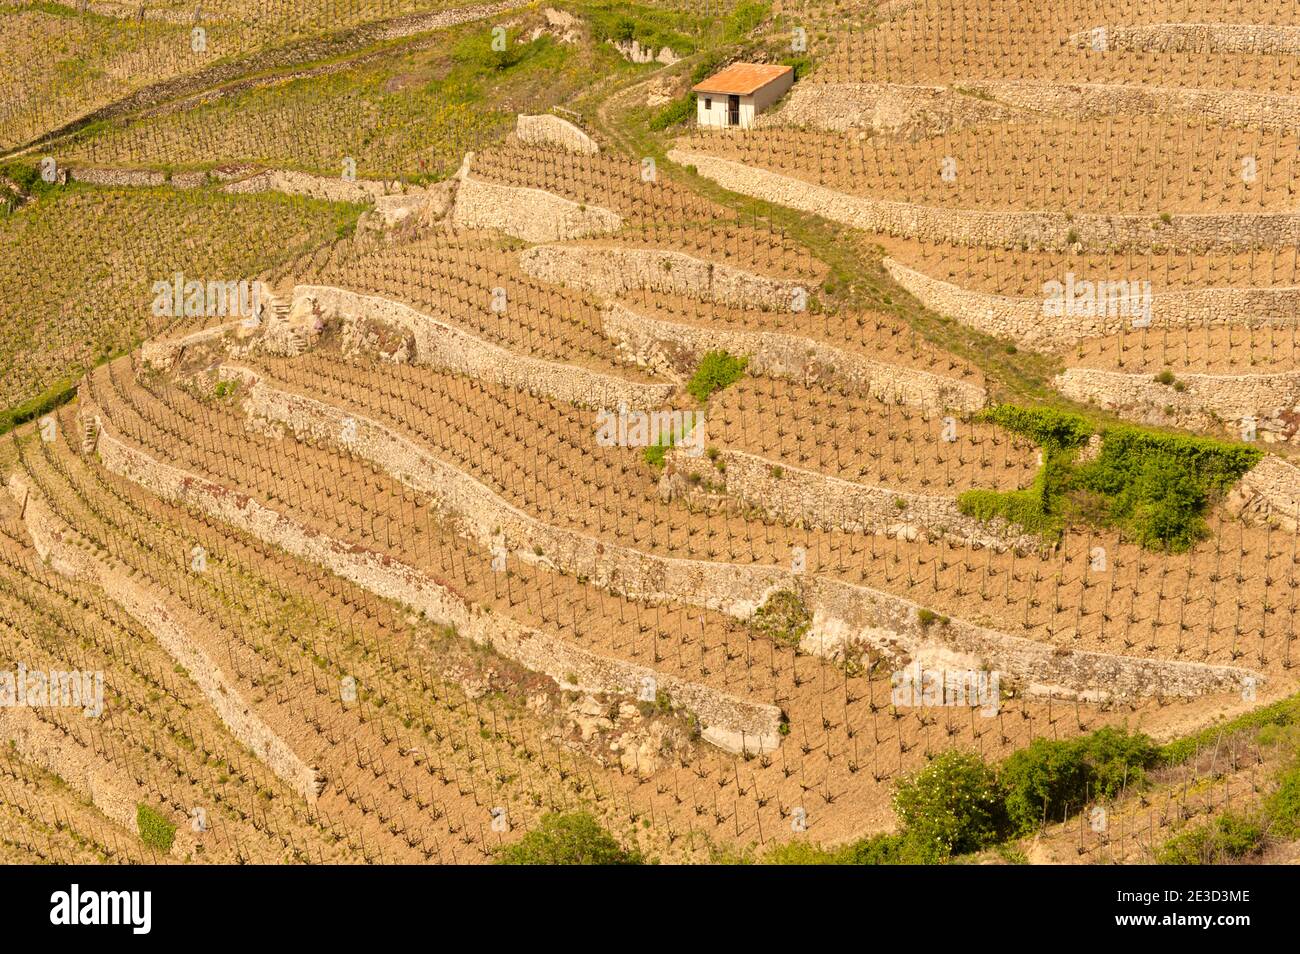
(1200, 38)
(733, 724)
(1270, 491)
(68, 554)
(438, 344)
(111, 791)
(549, 130)
(533, 215)
(135, 178)
(1207, 401)
(843, 614)
(329, 188)
(807, 498)
(1022, 319)
(675, 349)
(932, 110)
(892, 108)
(1040, 230)
(614, 270)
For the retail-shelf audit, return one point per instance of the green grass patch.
(716, 370)
(155, 830)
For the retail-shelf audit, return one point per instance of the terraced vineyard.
(563, 467)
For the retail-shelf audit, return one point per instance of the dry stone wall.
(844, 614)
(533, 215)
(1270, 491)
(1200, 38)
(111, 791)
(733, 724)
(71, 556)
(134, 178)
(1022, 319)
(331, 189)
(1040, 230)
(1203, 401)
(549, 130)
(895, 109)
(675, 349)
(438, 344)
(614, 270)
(807, 498)
(932, 110)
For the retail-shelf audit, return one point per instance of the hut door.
(733, 110)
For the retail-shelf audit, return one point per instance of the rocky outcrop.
(70, 555)
(1001, 229)
(548, 130)
(613, 270)
(533, 215)
(675, 349)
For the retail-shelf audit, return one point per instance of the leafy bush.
(952, 805)
(1283, 805)
(678, 111)
(155, 830)
(874, 850)
(744, 20)
(1153, 487)
(1049, 428)
(1228, 838)
(1049, 776)
(652, 28)
(571, 839)
(1157, 486)
(717, 370)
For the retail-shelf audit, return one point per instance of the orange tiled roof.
(741, 78)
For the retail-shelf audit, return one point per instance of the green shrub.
(744, 19)
(155, 830)
(873, 850)
(1228, 838)
(1153, 487)
(1050, 777)
(1156, 487)
(678, 111)
(717, 370)
(952, 805)
(1283, 805)
(570, 839)
(1045, 426)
